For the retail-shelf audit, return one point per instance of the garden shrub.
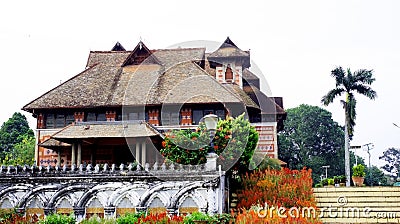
(235, 141)
(58, 219)
(276, 188)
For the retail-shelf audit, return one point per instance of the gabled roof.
(106, 84)
(141, 55)
(176, 78)
(228, 49)
(118, 47)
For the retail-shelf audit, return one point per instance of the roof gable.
(118, 47)
(141, 54)
(228, 43)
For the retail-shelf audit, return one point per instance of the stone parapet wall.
(109, 191)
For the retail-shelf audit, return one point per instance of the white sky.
(295, 44)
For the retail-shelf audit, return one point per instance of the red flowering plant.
(234, 142)
(284, 189)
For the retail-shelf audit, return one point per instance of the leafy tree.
(374, 177)
(392, 158)
(348, 83)
(12, 132)
(311, 138)
(235, 141)
(22, 153)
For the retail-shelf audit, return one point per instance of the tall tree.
(349, 83)
(12, 132)
(312, 139)
(392, 158)
(375, 177)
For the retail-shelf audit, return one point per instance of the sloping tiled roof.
(52, 143)
(107, 58)
(188, 83)
(172, 57)
(241, 94)
(106, 130)
(248, 75)
(105, 83)
(266, 104)
(90, 88)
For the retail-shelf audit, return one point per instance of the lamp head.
(211, 121)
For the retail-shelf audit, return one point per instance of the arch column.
(137, 151)
(58, 158)
(109, 212)
(79, 157)
(73, 159)
(144, 152)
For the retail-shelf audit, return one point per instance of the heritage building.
(99, 133)
(166, 88)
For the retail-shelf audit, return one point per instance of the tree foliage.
(234, 142)
(312, 139)
(392, 158)
(23, 152)
(12, 132)
(375, 177)
(348, 83)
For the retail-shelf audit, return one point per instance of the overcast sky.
(294, 43)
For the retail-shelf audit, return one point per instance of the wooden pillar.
(59, 158)
(92, 156)
(73, 160)
(144, 152)
(137, 151)
(79, 157)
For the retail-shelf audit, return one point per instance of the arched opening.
(64, 207)
(94, 208)
(125, 206)
(188, 206)
(156, 206)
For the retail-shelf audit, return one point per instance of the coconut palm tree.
(349, 83)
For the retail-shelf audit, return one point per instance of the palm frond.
(339, 74)
(364, 76)
(365, 90)
(331, 95)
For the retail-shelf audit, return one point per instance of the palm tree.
(349, 83)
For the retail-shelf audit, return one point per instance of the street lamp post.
(211, 121)
(326, 170)
(397, 183)
(355, 148)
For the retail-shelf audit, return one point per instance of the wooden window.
(91, 117)
(69, 119)
(197, 115)
(101, 117)
(50, 121)
(60, 120)
(228, 73)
